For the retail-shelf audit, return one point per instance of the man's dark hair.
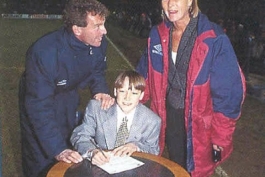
(75, 12)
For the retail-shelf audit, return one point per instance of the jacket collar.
(75, 43)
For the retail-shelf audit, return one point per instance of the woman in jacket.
(195, 85)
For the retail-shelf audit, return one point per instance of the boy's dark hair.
(135, 80)
(75, 12)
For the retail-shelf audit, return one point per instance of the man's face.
(127, 98)
(94, 31)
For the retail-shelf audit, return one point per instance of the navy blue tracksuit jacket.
(57, 65)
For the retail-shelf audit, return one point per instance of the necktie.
(123, 133)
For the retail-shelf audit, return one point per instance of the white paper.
(119, 164)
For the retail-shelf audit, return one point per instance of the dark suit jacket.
(101, 125)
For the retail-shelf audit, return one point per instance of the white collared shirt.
(174, 56)
(121, 115)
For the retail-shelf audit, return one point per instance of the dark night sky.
(215, 9)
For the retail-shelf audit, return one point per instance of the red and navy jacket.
(215, 90)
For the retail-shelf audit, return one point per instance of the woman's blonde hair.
(194, 9)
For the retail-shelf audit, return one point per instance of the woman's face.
(176, 10)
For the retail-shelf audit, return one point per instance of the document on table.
(120, 164)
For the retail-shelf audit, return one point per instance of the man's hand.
(125, 150)
(69, 156)
(98, 158)
(106, 100)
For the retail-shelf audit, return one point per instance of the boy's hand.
(98, 158)
(125, 150)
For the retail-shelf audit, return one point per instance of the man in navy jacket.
(57, 65)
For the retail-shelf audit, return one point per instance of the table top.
(155, 166)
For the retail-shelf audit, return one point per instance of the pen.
(97, 146)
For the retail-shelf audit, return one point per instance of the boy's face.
(127, 98)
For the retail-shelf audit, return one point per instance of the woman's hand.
(217, 148)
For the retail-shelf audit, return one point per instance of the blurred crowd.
(241, 20)
(33, 6)
(137, 19)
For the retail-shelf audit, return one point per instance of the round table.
(154, 166)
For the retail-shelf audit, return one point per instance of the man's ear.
(76, 30)
(141, 96)
(115, 92)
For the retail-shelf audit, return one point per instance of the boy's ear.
(115, 92)
(141, 96)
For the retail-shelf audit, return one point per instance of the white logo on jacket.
(157, 49)
(62, 82)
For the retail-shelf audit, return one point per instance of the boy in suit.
(103, 126)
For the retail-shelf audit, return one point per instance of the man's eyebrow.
(99, 24)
